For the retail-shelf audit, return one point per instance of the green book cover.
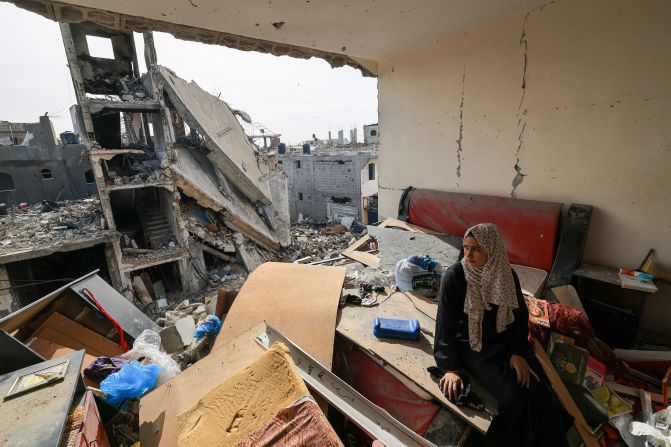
(569, 361)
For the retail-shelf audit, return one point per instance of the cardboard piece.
(65, 332)
(50, 350)
(159, 408)
(299, 300)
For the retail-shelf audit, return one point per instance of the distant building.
(34, 167)
(371, 134)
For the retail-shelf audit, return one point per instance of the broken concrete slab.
(278, 212)
(195, 175)
(179, 335)
(230, 149)
(249, 254)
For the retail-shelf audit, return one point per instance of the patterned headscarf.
(490, 284)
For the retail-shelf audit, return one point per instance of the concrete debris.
(141, 256)
(317, 243)
(178, 335)
(251, 255)
(73, 222)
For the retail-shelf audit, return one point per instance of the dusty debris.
(73, 221)
(143, 256)
(312, 242)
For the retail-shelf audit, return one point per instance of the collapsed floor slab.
(196, 177)
(230, 149)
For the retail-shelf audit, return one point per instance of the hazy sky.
(294, 97)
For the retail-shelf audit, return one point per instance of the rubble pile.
(310, 243)
(51, 224)
(138, 256)
(180, 324)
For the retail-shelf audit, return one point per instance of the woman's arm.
(444, 347)
(520, 341)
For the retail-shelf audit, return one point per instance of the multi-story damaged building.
(330, 179)
(182, 189)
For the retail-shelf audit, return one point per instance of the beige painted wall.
(369, 187)
(592, 126)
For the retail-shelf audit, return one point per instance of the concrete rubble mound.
(51, 225)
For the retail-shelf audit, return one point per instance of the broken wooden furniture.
(84, 314)
(613, 311)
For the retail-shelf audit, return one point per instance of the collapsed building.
(182, 190)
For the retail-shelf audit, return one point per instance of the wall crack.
(460, 139)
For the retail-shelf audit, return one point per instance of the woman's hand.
(522, 369)
(451, 385)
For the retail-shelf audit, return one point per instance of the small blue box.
(397, 329)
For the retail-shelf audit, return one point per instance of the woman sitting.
(482, 327)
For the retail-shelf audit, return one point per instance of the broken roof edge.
(67, 13)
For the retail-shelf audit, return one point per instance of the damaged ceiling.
(343, 33)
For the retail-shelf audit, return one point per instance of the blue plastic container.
(396, 329)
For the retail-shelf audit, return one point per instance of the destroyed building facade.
(332, 178)
(35, 166)
(182, 190)
(325, 185)
(184, 155)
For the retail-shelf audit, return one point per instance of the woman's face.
(474, 254)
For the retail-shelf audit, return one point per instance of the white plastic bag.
(148, 345)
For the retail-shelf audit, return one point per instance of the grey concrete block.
(178, 335)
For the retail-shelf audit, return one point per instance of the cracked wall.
(569, 102)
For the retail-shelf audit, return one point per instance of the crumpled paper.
(661, 438)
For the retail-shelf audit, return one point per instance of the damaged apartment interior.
(167, 281)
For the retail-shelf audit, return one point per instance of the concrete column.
(8, 302)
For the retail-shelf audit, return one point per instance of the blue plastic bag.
(211, 325)
(131, 381)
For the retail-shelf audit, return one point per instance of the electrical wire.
(37, 283)
(411, 300)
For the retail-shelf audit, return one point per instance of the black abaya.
(527, 416)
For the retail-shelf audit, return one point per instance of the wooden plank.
(299, 300)
(410, 360)
(584, 430)
(159, 408)
(65, 332)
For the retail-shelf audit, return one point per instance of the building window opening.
(100, 47)
(371, 171)
(46, 174)
(300, 196)
(6, 182)
(373, 133)
(341, 200)
(298, 164)
(88, 176)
